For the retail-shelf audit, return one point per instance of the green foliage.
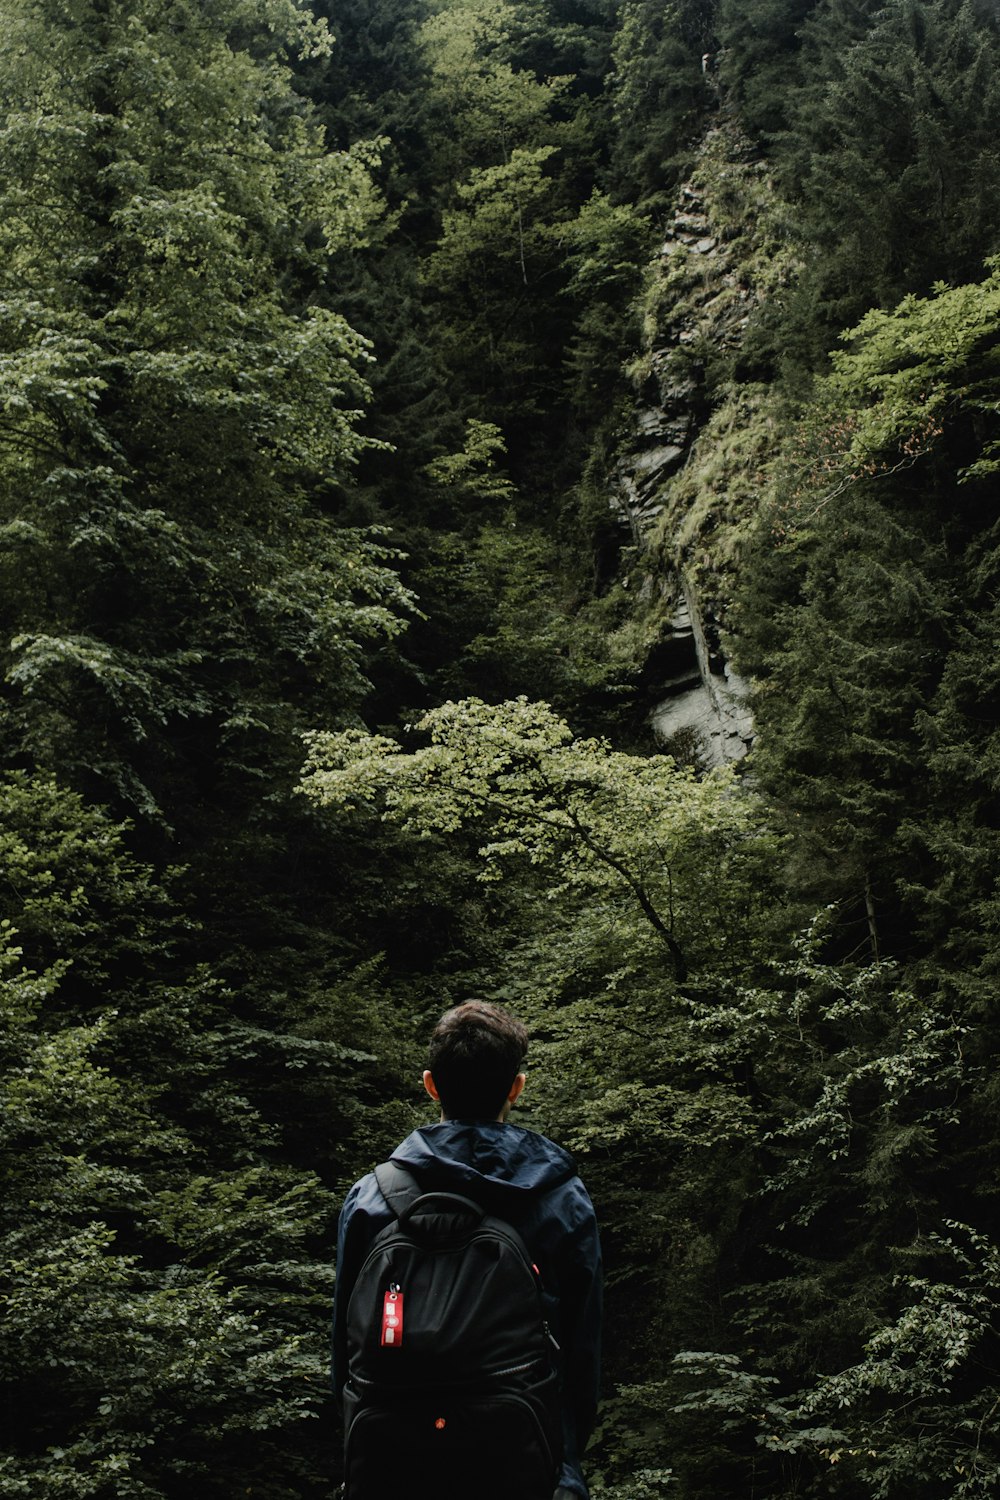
(173, 394)
(159, 1280)
(211, 1014)
(494, 106)
(472, 470)
(891, 152)
(180, 404)
(660, 92)
(905, 373)
(859, 1090)
(879, 120)
(517, 148)
(928, 1364)
(508, 617)
(639, 829)
(912, 1417)
(760, 63)
(881, 533)
(604, 246)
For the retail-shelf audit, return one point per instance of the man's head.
(474, 1061)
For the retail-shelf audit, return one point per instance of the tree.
(881, 532)
(180, 409)
(761, 44)
(640, 830)
(176, 398)
(495, 105)
(859, 1292)
(660, 92)
(890, 149)
(161, 1277)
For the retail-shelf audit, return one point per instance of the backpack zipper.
(531, 1364)
(512, 1370)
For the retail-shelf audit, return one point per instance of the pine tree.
(178, 400)
(761, 44)
(661, 90)
(871, 567)
(181, 596)
(891, 150)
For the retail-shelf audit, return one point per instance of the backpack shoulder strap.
(398, 1187)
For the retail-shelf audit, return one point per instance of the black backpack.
(451, 1387)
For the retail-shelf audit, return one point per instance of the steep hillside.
(692, 479)
(501, 501)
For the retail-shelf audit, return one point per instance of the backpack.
(451, 1386)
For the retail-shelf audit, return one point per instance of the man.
(474, 1074)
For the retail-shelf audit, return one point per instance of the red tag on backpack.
(392, 1320)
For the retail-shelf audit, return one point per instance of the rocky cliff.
(689, 482)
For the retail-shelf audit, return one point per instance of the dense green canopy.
(382, 383)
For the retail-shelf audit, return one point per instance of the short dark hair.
(476, 1051)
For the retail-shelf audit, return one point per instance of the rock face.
(720, 258)
(706, 706)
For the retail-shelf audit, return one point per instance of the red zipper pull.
(392, 1318)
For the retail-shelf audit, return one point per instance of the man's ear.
(517, 1088)
(431, 1086)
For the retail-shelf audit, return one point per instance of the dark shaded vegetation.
(311, 387)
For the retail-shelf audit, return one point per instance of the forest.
(499, 498)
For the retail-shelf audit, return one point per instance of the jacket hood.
(495, 1164)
